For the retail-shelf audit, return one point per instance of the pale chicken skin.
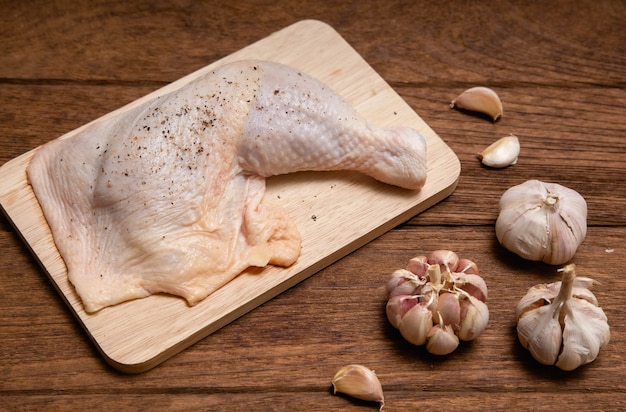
(169, 197)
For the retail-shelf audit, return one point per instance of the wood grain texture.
(560, 67)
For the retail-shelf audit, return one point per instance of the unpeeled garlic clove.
(415, 324)
(473, 285)
(474, 318)
(449, 308)
(418, 265)
(397, 306)
(480, 99)
(359, 382)
(447, 259)
(467, 266)
(442, 340)
(540, 332)
(402, 282)
(501, 153)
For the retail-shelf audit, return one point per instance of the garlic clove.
(501, 153)
(480, 99)
(442, 340)
(415, 324)
(585, 326)
(536, 297)
(540, 332)
(401, 282)
(582, 282)
(583, 292)
(418, 266)
(467, 266)
(583, 339)
(474, 318)
(448, 309)
(359, 382)
(397, 307)
(472, 284)
(447, 259)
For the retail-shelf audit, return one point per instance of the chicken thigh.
(169, 197)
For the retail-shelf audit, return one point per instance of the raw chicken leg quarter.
(169, 197)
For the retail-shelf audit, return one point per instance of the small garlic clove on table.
(359, 382)
(479, 99)
(501, 153)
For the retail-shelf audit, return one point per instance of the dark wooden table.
(559, 67)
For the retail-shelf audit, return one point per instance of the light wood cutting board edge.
(336, 212)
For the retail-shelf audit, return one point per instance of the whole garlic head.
(438, 300)
(561, 323)
(542, 221)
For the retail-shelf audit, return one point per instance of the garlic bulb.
(542, 221)
(561, 323)
(359, 382)
(438, 300)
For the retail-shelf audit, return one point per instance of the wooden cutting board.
(336, 212)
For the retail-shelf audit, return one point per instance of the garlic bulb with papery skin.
(438, 300)
(561, 324)
(542, 221)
